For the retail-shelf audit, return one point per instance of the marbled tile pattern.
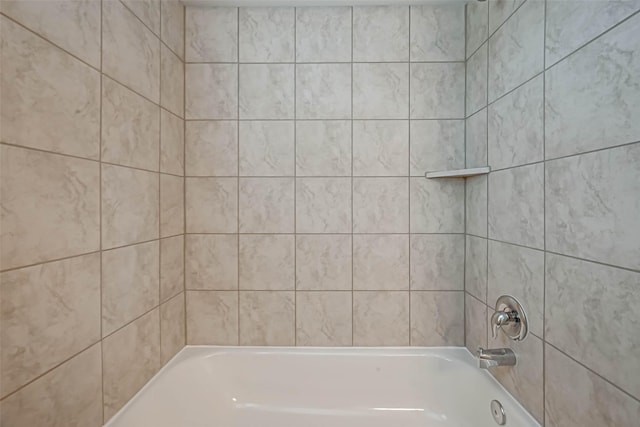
(436, 145)
(475, 271)
(380, 147)
(437, 262)
(211, 205)
(40, 304)
(437, 90)
(211, 148)
(211, 34)
(515, 134)
(171, 143)
(266, 34)
(267, 318)
(171, 81)
(380, 205)
(323, 34)
(323, 262)
(172, 22)
(130, 51)
(437, 206)
(381, 262)
(266, 148)
(516, 50)
(266, 91)
(171, 205)
(212, 317)
(591, 97)
(476, 92)
(323, 318)
(148, 11)
(266, 262)
(516, 205)
(267, 205)
(172, 327)
(381, 33)
(211, 262)
(323, 205)
(477, 26)
(323, 91)
(323, 148)
(437, 33)
(476, 206)
(130, 284)
(475, 323)
(211, 91)
(476, 139)
(171, 267)
(380, 318)
(434, 320)
(42, 84)
(380, 91)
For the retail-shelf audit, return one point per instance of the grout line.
(238, 317)
(544, 217)
(100, 225)
(184, 173)
(353, 300)
(324, 63)
(329, 234)
(160, 196)
(330, 119)
(409, 172)
(464, 254)
(295, 181)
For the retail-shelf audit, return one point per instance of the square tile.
(380, 205)
(323, 205)
(267, 34)
(211, 262)
(267, 148)
(380, 147)
(436, 145)
(44, 85)
(381, 33)
(591, 206)
(516, 205)
(437, 90)
(381, 318)
(323, 318)
(381, 262)
(437, 32)
(380, 91)
(211, 205)
(171, 205)
(211, 34)
(267, 91)
(40, 304)
(323, 262)
(437, 206)
(130, 284)
(172, 328)
(50, 206)
(212, 317)
(130, 206)
(267, 205)
(323, 91)
(130, 51)
(211, 148)
(267, 262)
(211, 91)
(437, 262)
(323, 148)
(267, 318)
(323, 34)
(437, 319)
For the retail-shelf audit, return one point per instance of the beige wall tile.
(267, 318)
(211, 91)
(212, 261)
(323, 318)
(323, 205)
(380, 205)
(323, 262)
(266, 91)
(380, 147)
(130, 284)
(39, 307)
(171, 143)
(130, 51)
(323, 148)
(171, 267)
(212, 34)
(267, 34)
(130, 127)
(171, 82)
(212, 205)
(475, 324)
(172, 327)
(172, 23)
(266, 148)
(69, 395)
(212, 317)
(437, 206)
(212, 148)
(72, 25)
(381, 262)
(148, 11)
(267, 205)
(50, 207)
(380, 318)
(437, 262)
(49, 100)
(131, 357)
(130, 206)
(267, 262)
(171, 205)
(436, 318)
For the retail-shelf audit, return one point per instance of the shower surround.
(304, 218)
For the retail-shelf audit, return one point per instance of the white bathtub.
(320, 387)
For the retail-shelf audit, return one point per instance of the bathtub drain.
(498, 413)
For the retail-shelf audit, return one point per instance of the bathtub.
(320, 387)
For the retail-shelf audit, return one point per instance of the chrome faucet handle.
(509, 317)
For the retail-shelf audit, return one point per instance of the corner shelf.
(459, 173)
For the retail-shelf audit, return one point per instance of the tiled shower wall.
(308, 219)
(92, 301)
(553, 101)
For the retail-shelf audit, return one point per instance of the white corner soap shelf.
(459, 173)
